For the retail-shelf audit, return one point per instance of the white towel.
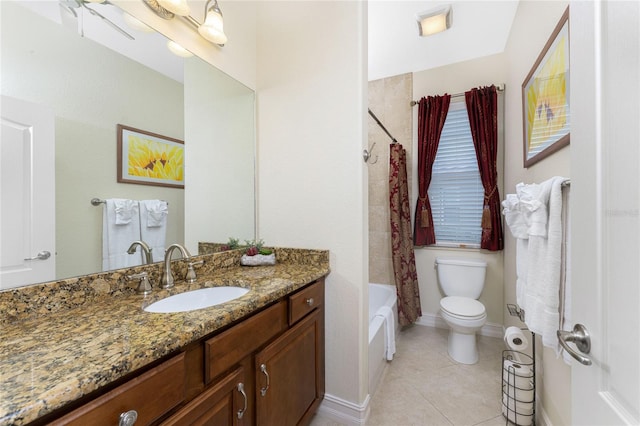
(538, 208)
(153, 218)
(125, 210)
(390, 331)
(532, 203)
(515, 217)
(117, 237)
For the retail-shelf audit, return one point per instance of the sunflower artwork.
(545, 96)
(149, 159)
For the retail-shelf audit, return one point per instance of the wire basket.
(518, 388)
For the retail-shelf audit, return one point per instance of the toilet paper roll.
(524, 408)
(515, 339)
(517, 369)
(517, 393)
(517, 376)
(520, 414)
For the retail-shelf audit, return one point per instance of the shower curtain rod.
(382, 126)
(499, 88)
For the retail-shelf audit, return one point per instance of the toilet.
(462, 281)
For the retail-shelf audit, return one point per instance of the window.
(456, 193)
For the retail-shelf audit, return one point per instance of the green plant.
(256, 247)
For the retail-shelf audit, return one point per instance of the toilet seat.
(462, 307)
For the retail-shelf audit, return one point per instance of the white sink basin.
(196, 299)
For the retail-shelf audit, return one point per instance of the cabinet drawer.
(305, 301)
(226, 349)
(223, 404)
(151, 395)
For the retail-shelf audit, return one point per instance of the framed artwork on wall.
(147, 158)
(545, 98)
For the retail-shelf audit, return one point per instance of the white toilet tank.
(461, 277)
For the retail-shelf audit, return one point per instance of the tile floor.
(422, 386)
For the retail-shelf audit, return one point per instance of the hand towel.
(117, 237)
(532, 204)
(390, 331)
(125, 210)
(514, 217)
(153, 218)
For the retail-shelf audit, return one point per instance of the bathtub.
(380, 295)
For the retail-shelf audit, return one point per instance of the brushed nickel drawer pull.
(241, 390)
(310, 301)
(263, 391)
(128, 418)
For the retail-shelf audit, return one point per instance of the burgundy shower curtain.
(404, 263)
(432, 113)
(482, 107)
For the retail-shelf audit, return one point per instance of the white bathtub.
(379, 295)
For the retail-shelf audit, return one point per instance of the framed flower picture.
(147, 158)
(545, 98)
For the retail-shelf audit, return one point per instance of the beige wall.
(389, 100)
(531, 29)
(311, 99)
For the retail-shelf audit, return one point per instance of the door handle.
(43, 255)
(580, 336)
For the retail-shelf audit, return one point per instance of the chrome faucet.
(144, 247)
(167, 276)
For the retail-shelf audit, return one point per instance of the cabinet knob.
(310, 301)
(263, 390)
(241, 390)
(129, 418)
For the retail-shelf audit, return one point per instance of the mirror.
(91, 89)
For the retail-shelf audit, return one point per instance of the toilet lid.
(462, 306)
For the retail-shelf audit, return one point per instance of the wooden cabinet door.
(289, 374)
(223, 404)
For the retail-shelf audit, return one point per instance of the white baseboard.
(435, 320)
(344, 412)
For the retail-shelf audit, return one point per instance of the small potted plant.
(256, 255)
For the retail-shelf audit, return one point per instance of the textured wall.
(389, 100)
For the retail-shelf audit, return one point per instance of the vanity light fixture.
(179, 7)
(178, 50)
(434, 21)
(212, 29)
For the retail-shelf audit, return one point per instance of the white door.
(605, 195)
(27, 193)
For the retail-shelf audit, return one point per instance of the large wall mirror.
(52, 61)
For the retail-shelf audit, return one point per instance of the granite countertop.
(49, 360)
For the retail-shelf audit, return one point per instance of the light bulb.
(213, 27)
(178, 50)
(179, 7)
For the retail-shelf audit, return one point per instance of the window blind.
(456, 192)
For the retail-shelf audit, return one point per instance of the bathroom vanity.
(258, 359)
